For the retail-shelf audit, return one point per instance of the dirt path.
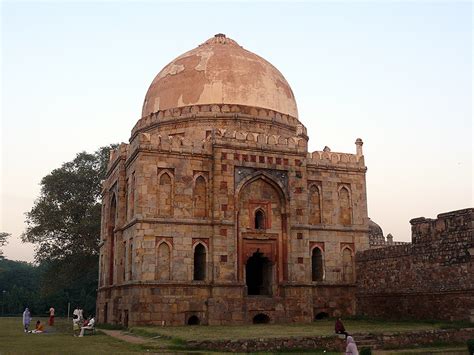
(118, 334)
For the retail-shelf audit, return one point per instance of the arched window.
(314, 205)
(345, 208)
(347, 266)
(130, 260)
(317, 270)
(131, 193)
(111, 238)
(200, 197)
(163, 262)
(165, 197)
(260, 219)
(199, 263)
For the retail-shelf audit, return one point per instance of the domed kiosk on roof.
(216, 213)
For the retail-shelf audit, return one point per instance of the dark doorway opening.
(258, 274)
(105, 312)
(199, 263)
(261, 319)
(125, 318)
(317, 265)
(193, 320)
(321, 315)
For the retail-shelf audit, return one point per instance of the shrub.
(365, 351)
(470, 346)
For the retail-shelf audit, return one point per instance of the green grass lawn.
(57, 340)
(320, 327)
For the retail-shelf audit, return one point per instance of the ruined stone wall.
(431, 278)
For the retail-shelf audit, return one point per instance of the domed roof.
(374, 229)
(219, 71)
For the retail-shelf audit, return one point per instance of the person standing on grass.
(51, 316)
(26, 319)
(351, 348)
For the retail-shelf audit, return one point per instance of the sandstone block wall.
(431, 278)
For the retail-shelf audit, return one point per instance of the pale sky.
(396, 74)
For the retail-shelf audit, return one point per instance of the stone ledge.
(334, 343)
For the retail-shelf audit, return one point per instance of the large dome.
(220, 71)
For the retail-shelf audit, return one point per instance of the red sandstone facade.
(216, 213)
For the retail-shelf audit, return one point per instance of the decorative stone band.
(322, 158)
(236, 140)
(217, 111)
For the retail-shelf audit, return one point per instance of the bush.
(365, 351)
(470, 346)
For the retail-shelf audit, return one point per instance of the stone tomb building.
(216, 213)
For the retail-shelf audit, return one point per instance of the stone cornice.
(325, 227)
(171, 220)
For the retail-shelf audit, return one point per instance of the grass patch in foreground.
(57, 340)
(268, 331)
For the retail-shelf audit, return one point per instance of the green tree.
(64, 223)
(3, 241)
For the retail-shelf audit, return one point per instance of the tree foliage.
(3, 241)
(64, 223)
(65, 219)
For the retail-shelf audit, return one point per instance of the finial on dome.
(220, 38)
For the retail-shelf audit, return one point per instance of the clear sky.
(396, 74)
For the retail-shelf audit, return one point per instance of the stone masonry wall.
(431, 278)
(335, 343)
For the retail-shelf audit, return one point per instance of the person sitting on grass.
(90, 326)
(339, 327)
(39, 328)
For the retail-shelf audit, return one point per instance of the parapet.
(334, 159)
(166, 143)
(217, 111)
(426, 230)
(117, 154)
(260, 140)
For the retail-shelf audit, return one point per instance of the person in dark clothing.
(339, 327)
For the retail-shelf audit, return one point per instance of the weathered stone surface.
(213, 201)
(334, 343)
(431, 278)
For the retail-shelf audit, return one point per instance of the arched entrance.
(262, 230)
(258, 275)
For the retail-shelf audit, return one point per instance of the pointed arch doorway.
(261, 234)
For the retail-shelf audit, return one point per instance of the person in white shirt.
(90, 325)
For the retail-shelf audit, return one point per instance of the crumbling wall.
(431, 278)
